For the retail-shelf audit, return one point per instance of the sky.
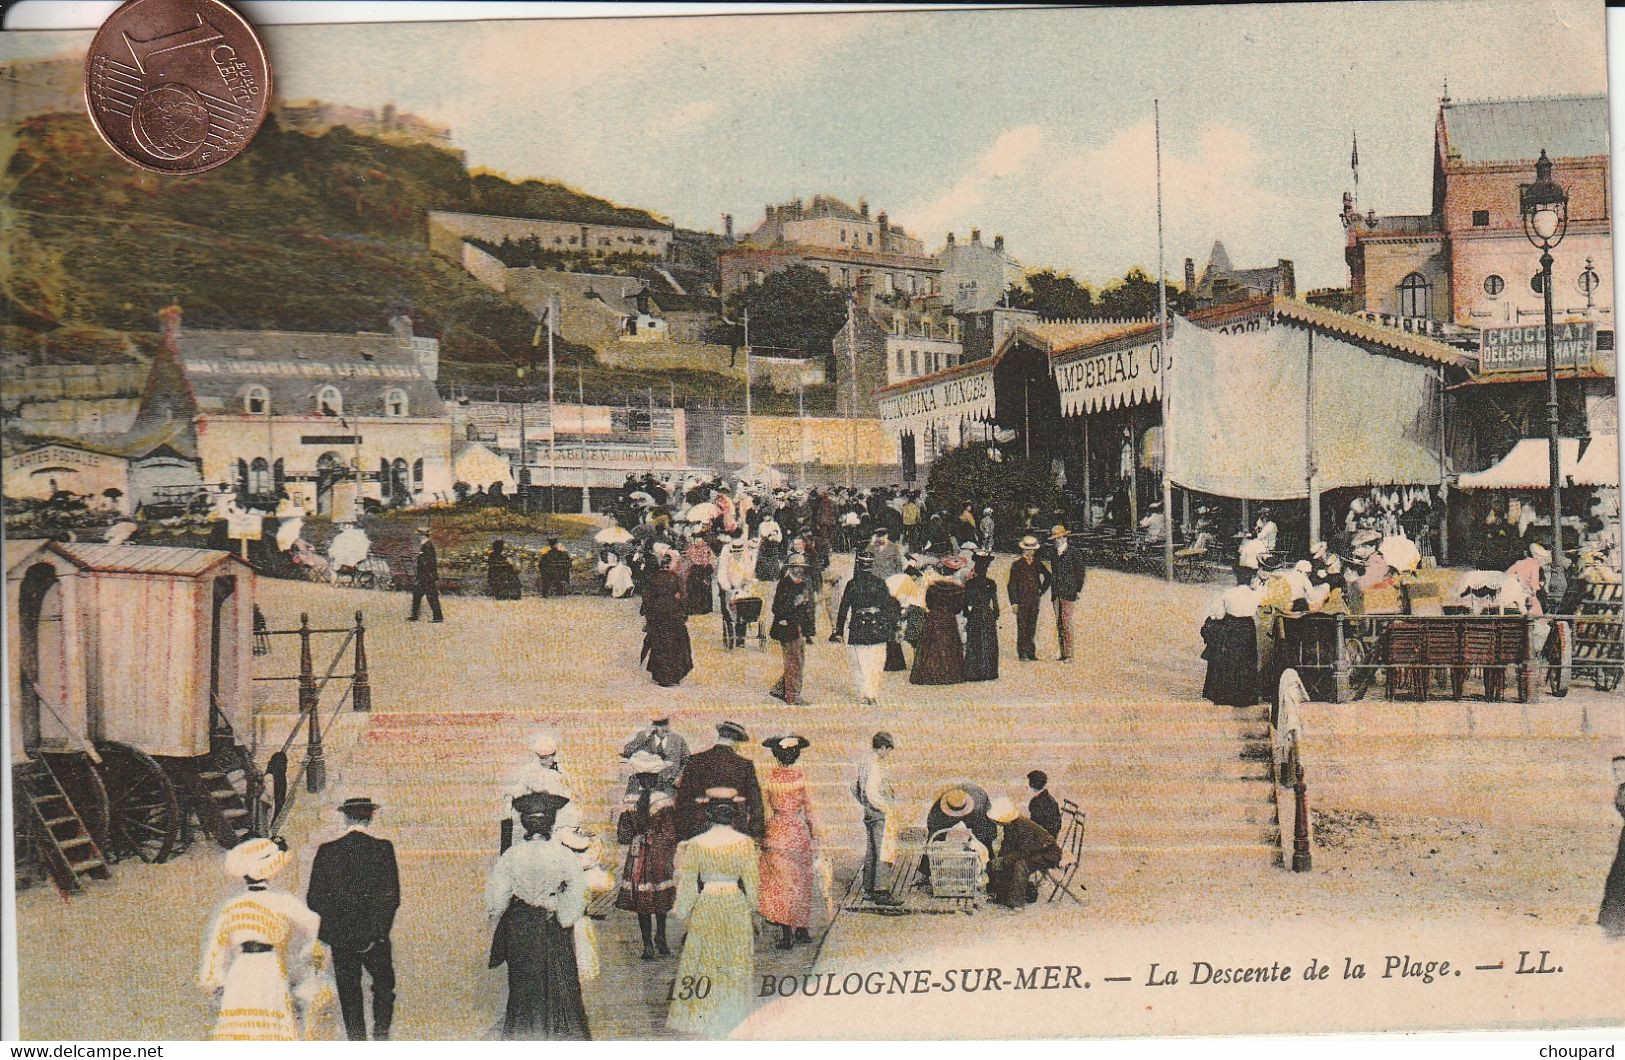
(1033, 124)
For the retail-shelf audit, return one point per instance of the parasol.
(612, 535)
(1400, 552)
(704, 512)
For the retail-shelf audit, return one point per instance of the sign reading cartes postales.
(1506, 351)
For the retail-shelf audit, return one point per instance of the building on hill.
(842, 242)
(314, 117)
(888, 344)
(975, 275)
(312, 414)
(1221, 282)
(1466, 264)
(448, 229)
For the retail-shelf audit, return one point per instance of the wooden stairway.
(221, 808)
(60, 839)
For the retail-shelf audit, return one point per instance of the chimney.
(866, 290)
(950, 239)
(885, 225)
(863, 208)
(1190, 275)
(998, 243)
(401, 325)
(976, 235)
(169, 323)
(728, 227)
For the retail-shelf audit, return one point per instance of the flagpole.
(1162, 319)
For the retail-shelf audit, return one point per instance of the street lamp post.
(522, 479)
(1545, 208)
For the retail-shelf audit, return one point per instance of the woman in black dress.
(941, 658)
(1231, 638)
(501, 576)
(538, 891)
(666, 648)
(1611, 918)
(981, 623)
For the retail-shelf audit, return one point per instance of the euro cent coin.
(177, 86)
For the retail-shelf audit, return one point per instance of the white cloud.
(1091, 208)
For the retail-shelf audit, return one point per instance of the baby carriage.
(747, 622)
(371, 573)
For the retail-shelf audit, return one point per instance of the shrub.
(968, 475)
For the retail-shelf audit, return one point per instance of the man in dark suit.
(1067, 574)
(719, 766)
(1042, 807)
(1029, 581)
(427, 580)
(355, 887)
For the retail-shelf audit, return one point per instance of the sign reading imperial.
(1522, 348)
(1108, 380)
(968, 395)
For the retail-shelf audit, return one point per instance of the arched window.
(395, 402)
(257, 401)
(259, 476)
(329, 402)
(1414, 300)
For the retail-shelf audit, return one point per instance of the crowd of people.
(704, 837)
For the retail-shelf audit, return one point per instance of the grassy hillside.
(317, 233)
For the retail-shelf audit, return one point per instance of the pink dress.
(786, 865)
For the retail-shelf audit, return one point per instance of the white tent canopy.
(1239, 404)
(1528, 466)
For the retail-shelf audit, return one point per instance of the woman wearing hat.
(981, 622)
(262, 959)
(788, 877)
(941, 658)
(501, 576)
(667, 652)
(647, 827)
(1231, 638)
(537, 892)
(716, 894)
(699, 561)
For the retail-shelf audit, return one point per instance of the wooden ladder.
(60, 837)
(220, 807)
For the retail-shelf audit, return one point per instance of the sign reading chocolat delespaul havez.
(1522, 348)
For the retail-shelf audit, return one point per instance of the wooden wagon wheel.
(144, 813)
(1357, 663)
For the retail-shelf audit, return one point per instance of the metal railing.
(357, 692)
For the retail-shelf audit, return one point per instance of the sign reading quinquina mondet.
(1503, 351)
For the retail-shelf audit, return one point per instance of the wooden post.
(1301, 859)
(361, 683)
(1526, 667)
(315, 763)
(1088, 505)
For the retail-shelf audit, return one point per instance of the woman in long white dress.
(716, 894)
(262, 959)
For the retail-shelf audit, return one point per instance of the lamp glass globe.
(1545, 222)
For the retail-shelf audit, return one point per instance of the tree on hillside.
(1052, 295)
(795, 309)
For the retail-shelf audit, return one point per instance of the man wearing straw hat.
(1029, 581)
(355, 887)
(1067, 573)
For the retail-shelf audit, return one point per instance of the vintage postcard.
(916, 524)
